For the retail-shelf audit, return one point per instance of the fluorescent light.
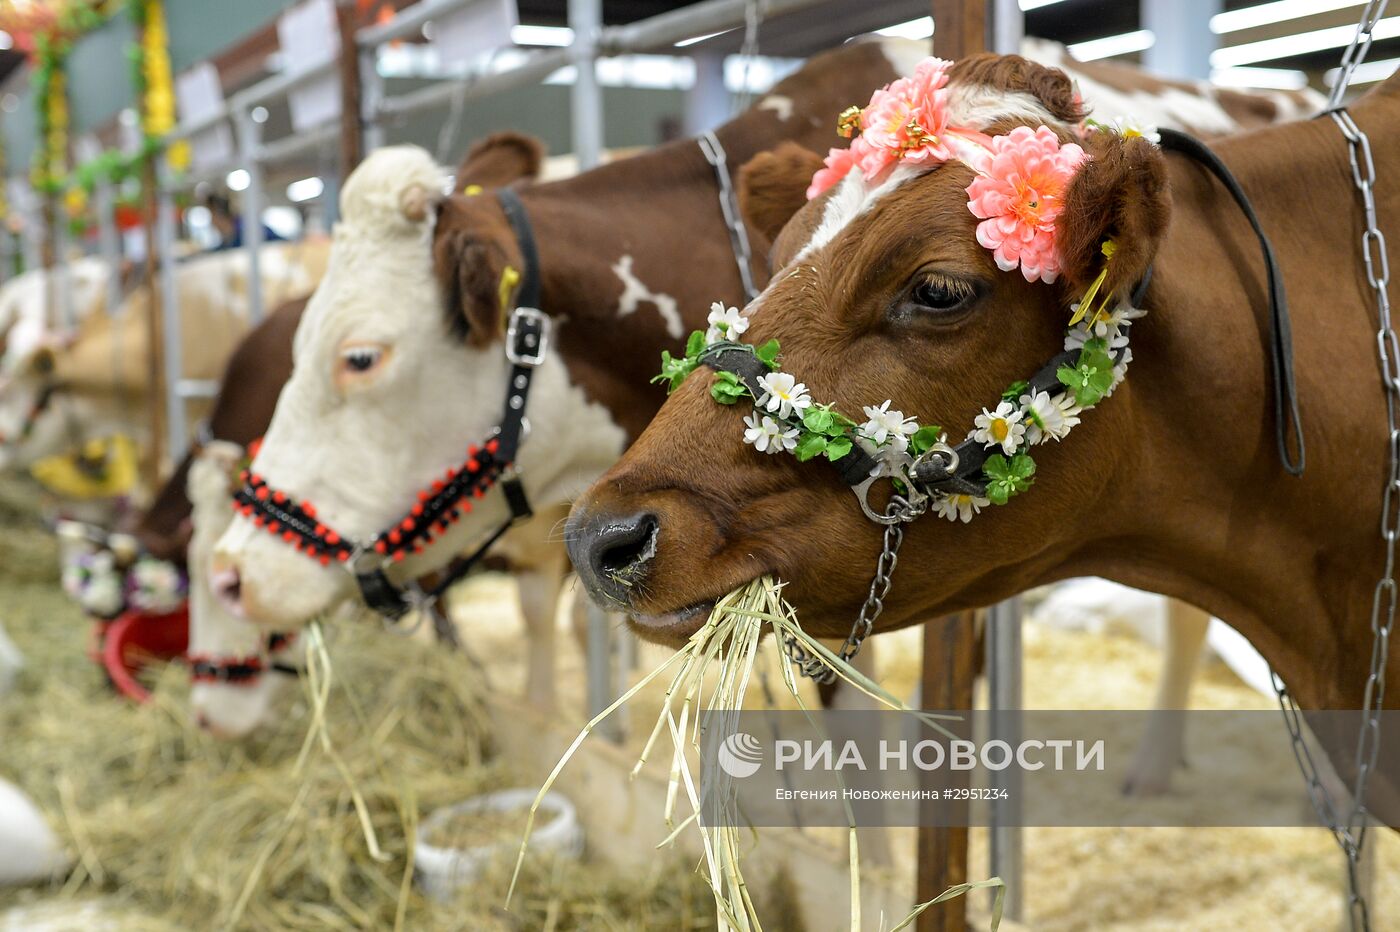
(1318, 40)
(1109, 46)
(237, 180)
(542, 35)
(920, 28)
(1277, 12)
(1284, 79)
(306, 189)
(7, 41)
(695, 39)
(1367, 72)
(1028, 5)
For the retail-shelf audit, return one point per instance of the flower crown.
(1022, 176)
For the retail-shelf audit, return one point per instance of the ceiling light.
(1266, 13)
(1318, 40)
(920, 28)
(1109, 46)
(237, 180)
(1367, 72)
(304, 190)
(558, 36)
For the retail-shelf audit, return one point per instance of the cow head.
(398, 369)
(228, 708)
(885, 290)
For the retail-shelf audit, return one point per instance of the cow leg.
(1163, 743)
(874, 840)
(539, 588)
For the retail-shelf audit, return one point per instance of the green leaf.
(768, 354)
(1090, 379)
(837, 447)
(808, 446)
(727, 388)
(819, 419)
(1007, 477)
(674, 371)
(696, 344)
(924, 438)
(1015, 390)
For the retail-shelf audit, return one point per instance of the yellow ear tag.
(472, 190)
(1086, 303)
(101, 468)
(509, 279)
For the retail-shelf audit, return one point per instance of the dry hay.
(171, 828)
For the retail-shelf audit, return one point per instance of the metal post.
(175, 427)
(601, 685)
(1183, 40)
(108, 244)
(586, 20)
(707, 104)
(371, 97)
(1003, 640)
(62, 278)
(249, 138)
(1005, 29)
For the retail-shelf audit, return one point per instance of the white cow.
(93, 370)
(382, 400)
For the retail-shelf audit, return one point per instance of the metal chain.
(1351, 835)
(814, 667)
(729, 207)
(753, 19)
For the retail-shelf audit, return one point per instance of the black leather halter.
(242, 671)
(939, 472)
(447, 499)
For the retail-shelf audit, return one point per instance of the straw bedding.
(173, 829)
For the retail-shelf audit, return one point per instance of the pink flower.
(908, 119)
(1018, 195)
(839, 163)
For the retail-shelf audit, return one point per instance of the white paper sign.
(474, 30)
(310, 37)
(198, 94)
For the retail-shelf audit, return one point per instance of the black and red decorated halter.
(242, 671)
(446, 500)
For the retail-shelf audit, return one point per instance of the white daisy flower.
(961, 507)
(1112, 327)
(885, 426)
(1049, 418)
(767, 435)
(1128, 127)
(783, 393)
(726, 323)
(1002, 427)
(1120, 372)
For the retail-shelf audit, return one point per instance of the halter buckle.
(527, 336)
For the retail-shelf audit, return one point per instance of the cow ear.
(773, 186)
(501, 159)
(1121, 194)
(472, 272)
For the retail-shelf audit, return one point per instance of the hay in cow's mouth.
(726, 645)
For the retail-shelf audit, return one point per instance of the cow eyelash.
(941, 292)
(360, 358)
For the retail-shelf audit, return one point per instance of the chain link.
(729, 207)
(1351, 833)
(814, 667)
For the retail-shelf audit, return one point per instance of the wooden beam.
(959, 27)
(351, 109)
(949, 672)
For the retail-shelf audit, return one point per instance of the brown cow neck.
(662, 209)
(1213, 518)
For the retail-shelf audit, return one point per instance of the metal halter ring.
(532, 356)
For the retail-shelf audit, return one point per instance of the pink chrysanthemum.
(907, 120)
(1018, 195)
(839, 163)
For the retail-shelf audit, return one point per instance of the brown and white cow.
(1172, 485)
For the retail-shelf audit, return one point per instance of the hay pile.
(173, 829)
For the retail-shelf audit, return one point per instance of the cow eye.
(360, 359)
(941, 295)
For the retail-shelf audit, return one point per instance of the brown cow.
(1172, 485)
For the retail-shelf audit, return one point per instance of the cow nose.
(612, 552)
(227, 586)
